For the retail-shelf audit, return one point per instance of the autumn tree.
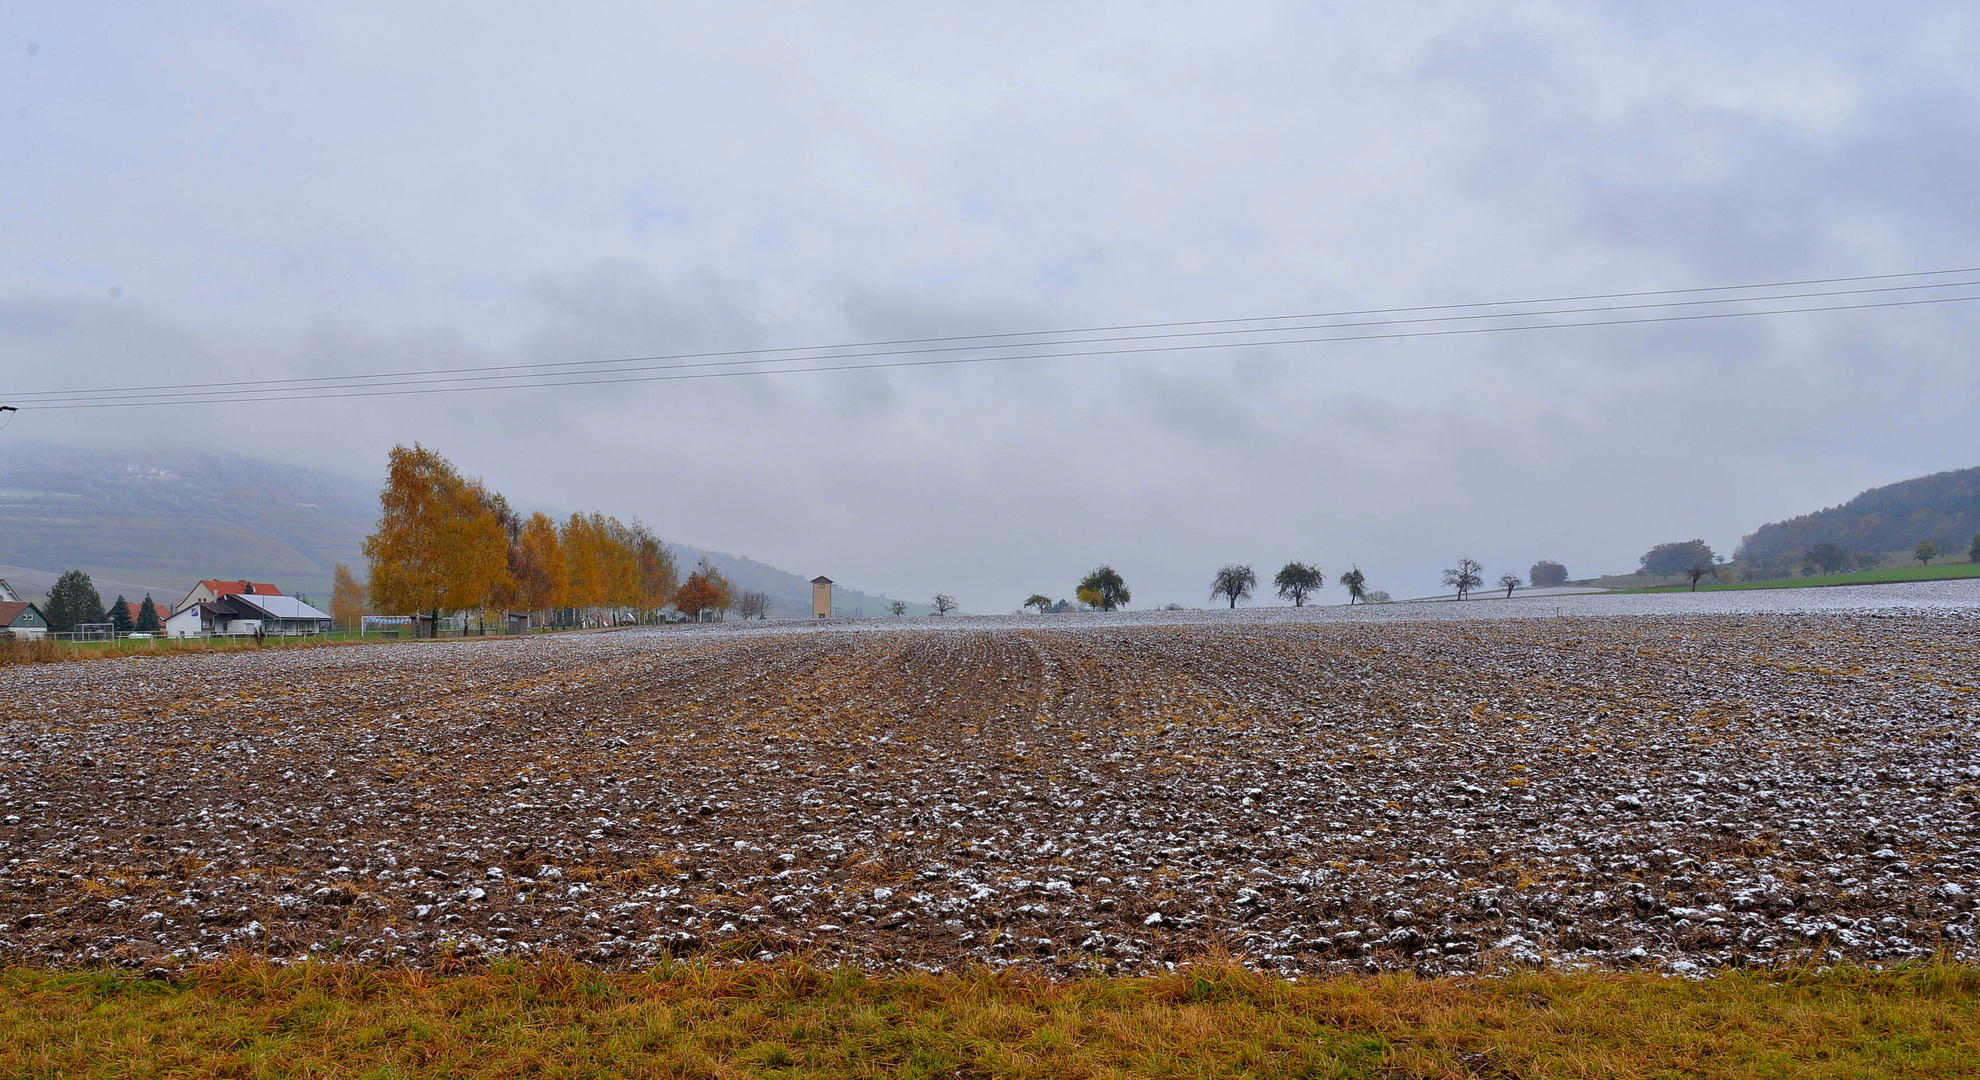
(623, 590)
(602, 565)
(1233, 582)
(346, 600)
(697, 596)
(898, 607)
(1356, 583)
(653, 562)
(705, 590)
(1926, 552)
(1040, 601)
(1103, 588)
(584, 564)
(725, 590)
(1296, 581)
(536, 562)
(439, 545)
(1464, 577)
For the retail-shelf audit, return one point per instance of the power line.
(462, 377)
(554, 379)
(1106, 329)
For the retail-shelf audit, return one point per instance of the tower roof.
(821, 580)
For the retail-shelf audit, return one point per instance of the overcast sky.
(200, 190)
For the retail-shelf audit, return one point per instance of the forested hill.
(1943, 508)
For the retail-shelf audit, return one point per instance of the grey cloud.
(287, 189)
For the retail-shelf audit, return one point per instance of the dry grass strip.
(250, 1018)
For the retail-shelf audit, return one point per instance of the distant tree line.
(73, 601)
(1104, 589)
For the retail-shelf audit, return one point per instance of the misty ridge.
(159, 521)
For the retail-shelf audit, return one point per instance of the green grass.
(559, 1019)
(1884, 575)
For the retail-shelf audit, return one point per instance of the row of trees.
(74, 601)
(445, 544)
(1104, 589)
(1295, 581)
(1469, 574)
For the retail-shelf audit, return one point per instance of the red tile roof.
(226, 588)
(164, 612)
(11, 610)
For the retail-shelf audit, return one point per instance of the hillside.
(160, 522)
(164, 521)
(1943, 507)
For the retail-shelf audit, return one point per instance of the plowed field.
(1314, 794)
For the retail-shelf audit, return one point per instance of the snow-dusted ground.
(1670, 781)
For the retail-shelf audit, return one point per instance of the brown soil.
(1676, 792)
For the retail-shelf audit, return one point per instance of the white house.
(243, 614)
(209, 591)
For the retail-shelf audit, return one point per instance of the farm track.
(1673, 792)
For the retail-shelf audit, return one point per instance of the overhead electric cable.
(462, 377)
(84, 400)
(256, 385)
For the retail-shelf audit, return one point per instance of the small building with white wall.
(210, 591)
(245, 614)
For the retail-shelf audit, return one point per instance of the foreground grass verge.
(251, 1019)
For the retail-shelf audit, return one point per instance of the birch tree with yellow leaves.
(446, 543)
(440, 546)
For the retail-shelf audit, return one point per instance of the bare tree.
(1465, 577)
(753, 605)
(1699, 569)
(1297, 581)
(1356, 583)
(1509, 581)
(944, 603)
(1233, 582)
(898, 607)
